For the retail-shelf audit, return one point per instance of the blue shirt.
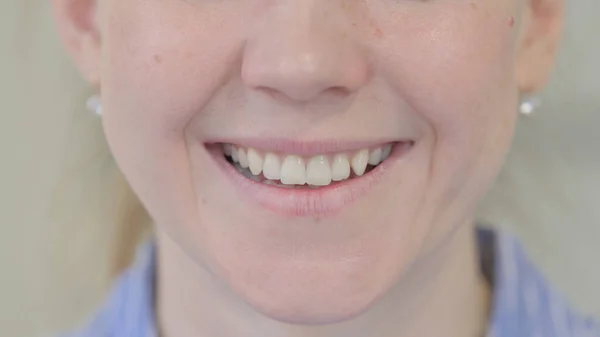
(524, 304)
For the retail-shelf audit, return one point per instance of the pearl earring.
(94, 104)
(530, 105)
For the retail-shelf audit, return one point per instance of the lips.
(312, 184)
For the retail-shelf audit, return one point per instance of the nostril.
(277, 95)
(338, 91)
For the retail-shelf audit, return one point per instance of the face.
(308, 152)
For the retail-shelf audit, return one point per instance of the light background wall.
(53, 273)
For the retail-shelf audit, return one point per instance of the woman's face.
(310, 91)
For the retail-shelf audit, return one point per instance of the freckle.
(158, 59)
(376, 30)
(473, 5)
(204, 201)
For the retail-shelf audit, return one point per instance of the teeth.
(340, 169)
(249, 175)
(234, 155)
(386, 152)
(293, 171)
(360, 161)
(375, 157)
(272, 167)
(242, 157)
(255, 161)
(227, 149)
(318, 171)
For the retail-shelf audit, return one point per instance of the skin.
(174, 74)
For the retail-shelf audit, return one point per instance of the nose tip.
(303, 68)
(303, 76)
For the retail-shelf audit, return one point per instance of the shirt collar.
(503, 262)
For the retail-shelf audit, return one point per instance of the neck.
(444, 294)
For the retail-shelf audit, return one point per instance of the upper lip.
(307, 147)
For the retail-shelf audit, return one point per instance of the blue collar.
(524, 303)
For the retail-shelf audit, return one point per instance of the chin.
(316, 290)
(324, 263)
(298, 303)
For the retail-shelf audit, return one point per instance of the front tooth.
(255, 161)
(293, 171)
(340, 169)
(272, 167)
(375, 157)
(242, 157)
(359, 162)
(386, 152)
(318, 171)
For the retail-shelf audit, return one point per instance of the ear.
(78, 27)
(540, 36)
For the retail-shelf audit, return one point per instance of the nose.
(299, 54)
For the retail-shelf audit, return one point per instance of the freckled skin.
(376, 30)
(176, 74)
(381, 69)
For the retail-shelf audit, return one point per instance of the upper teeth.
(319, 170)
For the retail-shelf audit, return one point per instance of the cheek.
(454, 65)
(161, 62)
(453, 60)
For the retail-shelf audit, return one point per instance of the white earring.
(94, 104)
(530, 105)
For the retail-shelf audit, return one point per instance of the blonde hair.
(93, 194)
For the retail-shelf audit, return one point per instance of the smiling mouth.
(294, 179)
(301, 172)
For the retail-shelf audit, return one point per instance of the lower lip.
(308, 202)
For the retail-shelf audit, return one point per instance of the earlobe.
(538, 44)
(79, 30)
